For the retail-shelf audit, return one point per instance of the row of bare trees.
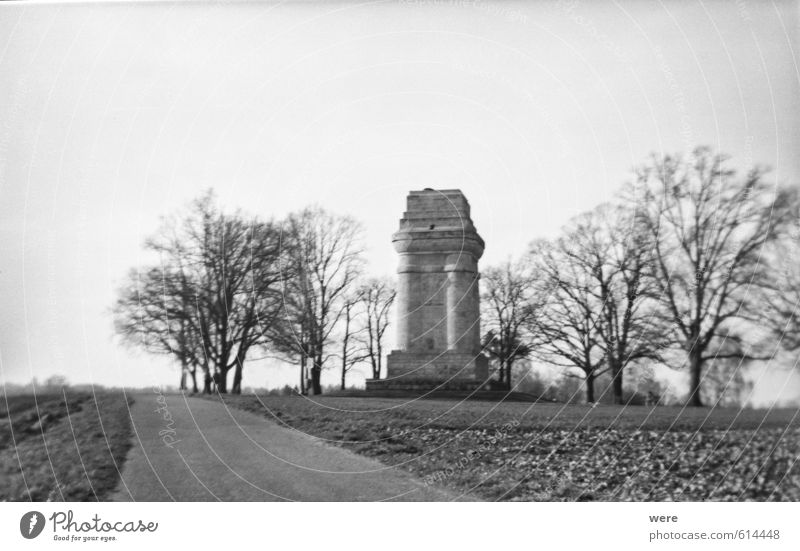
(224, 286)
(692, 259)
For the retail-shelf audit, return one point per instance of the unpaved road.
(191, 449)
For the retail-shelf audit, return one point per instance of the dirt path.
(191, 449)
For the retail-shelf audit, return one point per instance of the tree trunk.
(207, 382)
(303, 388)
(222, 381)
(695, 367)
(238, 370)
(617, 384)
(509, 364)
(184, 372)
(344, 349)
(316, 370)
(316, 386)
(376, 370)
(237, 378)
(589, 388)
(193, 373)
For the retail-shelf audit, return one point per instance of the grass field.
(62, 447)
(523, 451)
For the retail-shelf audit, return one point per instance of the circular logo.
(31, 524)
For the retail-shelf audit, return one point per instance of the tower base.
(422, 371)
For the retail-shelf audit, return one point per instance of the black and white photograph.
(427, 251)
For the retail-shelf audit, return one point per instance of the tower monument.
(438, 300)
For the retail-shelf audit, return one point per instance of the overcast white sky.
(112, 114)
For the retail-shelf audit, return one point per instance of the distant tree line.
(227, 287)
(692, 261)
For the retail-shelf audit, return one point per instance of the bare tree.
(324, 258)
(214, 294)
(708, 230)
(290, 336)
(352, 352)
(509, 305)
(605, 244)
(565, 331)
(377, 297)
(153, 311)
(782, 303)
(781, 296)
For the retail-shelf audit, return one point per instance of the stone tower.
(438, 301)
